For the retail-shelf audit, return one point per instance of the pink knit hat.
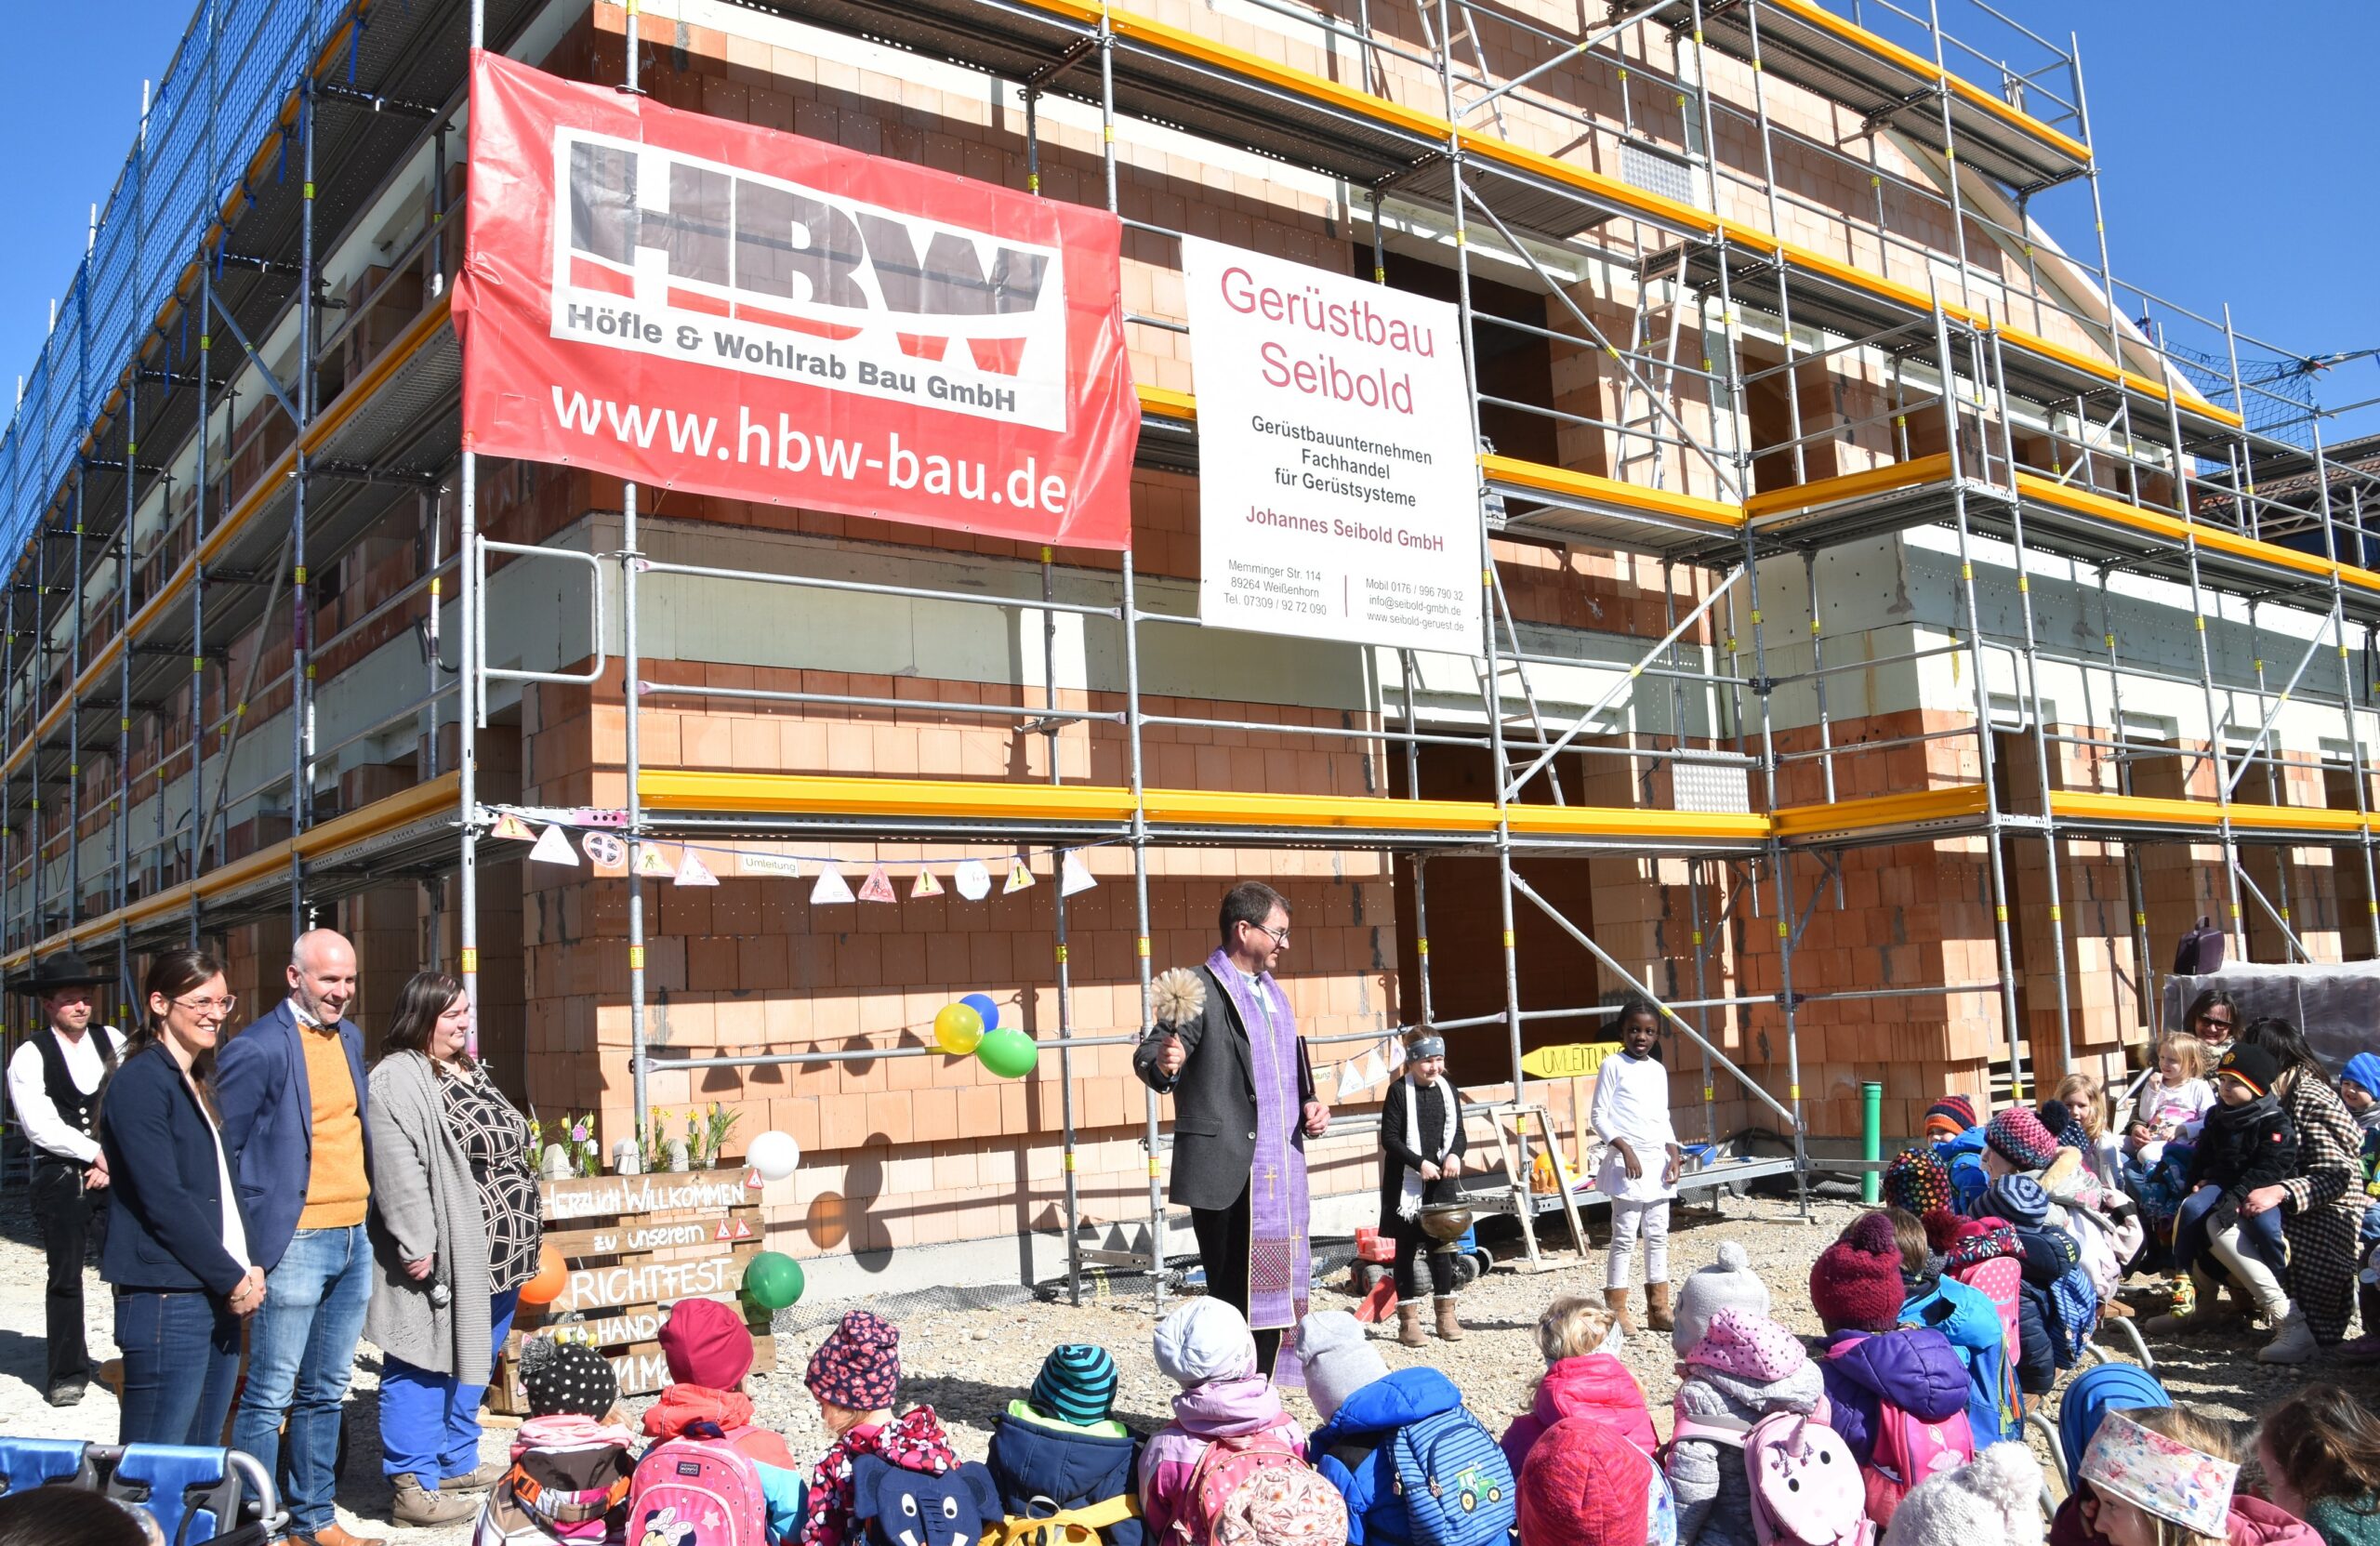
(1750, 1347)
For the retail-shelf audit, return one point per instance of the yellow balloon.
(956, 1029)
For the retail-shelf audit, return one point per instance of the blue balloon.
(982, 1004)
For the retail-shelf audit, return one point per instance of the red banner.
(700, 304)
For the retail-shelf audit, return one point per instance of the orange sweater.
(336, 1190)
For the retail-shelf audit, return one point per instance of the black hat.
(67, 969)
(2254, 1066)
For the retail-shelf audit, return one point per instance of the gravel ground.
(970, 1363)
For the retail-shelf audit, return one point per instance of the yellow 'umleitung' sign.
(1576, 1060)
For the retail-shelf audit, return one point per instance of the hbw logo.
(670, 254)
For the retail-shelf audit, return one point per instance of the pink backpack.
(1908, 1451)
(1805, 1486)
(1252, 1490)
(692, 1491)
(2001, 1281)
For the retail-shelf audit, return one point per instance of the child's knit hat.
(1950, 1117)
(1203, 1339)
(1728, 1284)
(560, 1376)
(2018, 1137)
(1337, 1359)
(2364, 1069)
(1583, 1485)
(2018, 1199)
(1076, 1385)
(1995, 1499)
(1752, 1348)
(705, 1342)
(1916, 1180)
(858, 1366)
(2254, 1066)
(1855, 1284)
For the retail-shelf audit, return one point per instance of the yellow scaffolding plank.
(1850, 485)
(1611, 491)
(2174, 529)
(1953, 802)
(2120, 810)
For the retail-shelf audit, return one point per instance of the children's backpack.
(696, 1490)
(2001, 1280)
(1251, 1489)
(1806, 1487)
(1908, 1450)
(1454, 1478)
(1083, 1526)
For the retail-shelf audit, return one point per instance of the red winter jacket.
(1595, 1386)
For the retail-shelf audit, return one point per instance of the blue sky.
(2235, 153)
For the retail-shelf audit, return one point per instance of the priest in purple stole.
(1244, 1105)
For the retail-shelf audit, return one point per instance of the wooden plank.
(648, 1281)
(637, 1235)
(669, 1192)
(642, 1371)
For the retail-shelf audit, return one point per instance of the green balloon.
(773, 1280)
(1009, 1052)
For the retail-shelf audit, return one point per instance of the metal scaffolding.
(2021, 404)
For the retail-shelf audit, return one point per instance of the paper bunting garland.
(973, 879)
(553, 848)
(1351, 1082)
(770, 863)
(652, 861)
(878, 886)
(1373, 1072)
(509, 825)
(692, 871)
(1396, 1053)
(924, 885)
(831, 887)
(1019, 879)
(1074, 875)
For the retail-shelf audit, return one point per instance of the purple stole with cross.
(1280, 1265)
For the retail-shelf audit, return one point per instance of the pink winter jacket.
(1596, 1386)
(2257, 1523)
(1220, 1408)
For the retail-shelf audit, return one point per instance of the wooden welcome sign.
(635, 1244)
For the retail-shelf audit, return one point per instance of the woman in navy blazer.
(176, 1246)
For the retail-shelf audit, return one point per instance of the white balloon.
(774, 1155)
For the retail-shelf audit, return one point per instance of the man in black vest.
(53, 1082)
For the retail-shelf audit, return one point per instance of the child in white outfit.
(2172, 1102)
(1630, 1117)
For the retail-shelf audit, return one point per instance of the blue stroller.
(196, 1495)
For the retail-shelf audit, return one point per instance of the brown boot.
(335, 1535)
(481, 1479)
(1449, 1328)
(1657, 1307)
(1616, 1300)
(418, 1505)
(1409, 1324)
(2207, 1309)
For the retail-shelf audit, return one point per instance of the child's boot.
(1616, 1300)
(1409, 1323)
(1657, 1307)
(1449, 1328)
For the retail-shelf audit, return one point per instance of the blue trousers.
(429, 1423)
(301, 1352)
(182, 1359)
(2260, 1233)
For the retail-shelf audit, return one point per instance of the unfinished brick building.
(1894, 647)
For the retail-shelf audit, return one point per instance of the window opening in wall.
(1513, 366)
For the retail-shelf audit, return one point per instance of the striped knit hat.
(1950, 1117)
(1076, 1385)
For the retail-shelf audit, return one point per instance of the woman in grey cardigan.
(454, 1235)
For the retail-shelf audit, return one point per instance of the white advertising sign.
(1338, 486)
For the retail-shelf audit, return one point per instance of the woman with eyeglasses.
(2214, 1018)
(177, 1243)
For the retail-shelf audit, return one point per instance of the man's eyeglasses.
(1280, 936)
(210, 1006)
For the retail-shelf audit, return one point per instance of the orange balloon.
(551, 1280)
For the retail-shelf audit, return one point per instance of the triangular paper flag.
(1019, 878)
(1074, 875)
(924, 885)
(692, 871)
(652, 861)
(831, 887)
(606, 851)
(770, 863)
(1396, 1055)
(1373, 1072)
(553, 848)
(974, 881)
(1350, 1081)
(509, 825)
(878, 886)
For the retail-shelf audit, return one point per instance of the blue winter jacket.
(1970, 1322)
(1352, 1449)
(1915, 1369)
(1963, 1156)
(1042, 1467)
